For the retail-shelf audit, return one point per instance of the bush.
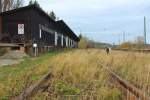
(83, 43)
(127, 45)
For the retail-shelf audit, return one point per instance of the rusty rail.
(134, 50)
(139, 94)
(43, 84)
(33, 89)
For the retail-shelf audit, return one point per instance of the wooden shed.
(69, 37)
(31, 25)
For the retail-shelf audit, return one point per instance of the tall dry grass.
(80, 73)
(84, 69)
(131, 66)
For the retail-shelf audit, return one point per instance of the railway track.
(41, 85)
(132, 92)
(134, 50)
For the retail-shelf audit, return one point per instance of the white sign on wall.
(34, 45)
(20, 28)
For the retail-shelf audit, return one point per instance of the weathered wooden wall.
(0, 24)
(37, 18)
(10, 27)
(38, 28)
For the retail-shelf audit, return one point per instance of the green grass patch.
(14, 78)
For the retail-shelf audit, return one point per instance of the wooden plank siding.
(10, 27)
(0, 24)
(0, 27)
(38, 28)
(47, 38)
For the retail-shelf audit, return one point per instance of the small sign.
(34, 45)
(20, 28)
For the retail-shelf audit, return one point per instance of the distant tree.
(36, 3)
(17, 4)
(80, 36)
(0, 5)
(52, 15)
(127, 45)
(31, 2)
(83, 43)
(6, 5)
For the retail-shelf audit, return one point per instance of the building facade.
(31, 25)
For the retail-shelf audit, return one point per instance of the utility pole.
(144, 30)
(119, 41)
(124, 37)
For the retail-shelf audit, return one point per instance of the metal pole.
(35, 52)
(124, 37)
(119, 41)
(144, 30)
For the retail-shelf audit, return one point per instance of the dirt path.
(12, 57)
(5, 62)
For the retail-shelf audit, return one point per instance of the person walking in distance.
(107, 50)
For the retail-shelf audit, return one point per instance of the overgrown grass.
(131, 66)
(14, 78)
(79, 73)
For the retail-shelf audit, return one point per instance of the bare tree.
(52, 15)
(6, 5)
(30, 2)
(17, 4)
(0, 5)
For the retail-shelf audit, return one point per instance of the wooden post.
(35, 49)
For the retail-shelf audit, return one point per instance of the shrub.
(127, 45)
(83, 43)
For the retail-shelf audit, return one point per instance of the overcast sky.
(102, 20)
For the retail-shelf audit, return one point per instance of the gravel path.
(4, 62)
(12, 57)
